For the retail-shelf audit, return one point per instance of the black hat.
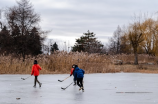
(35, 61)
(76, 66)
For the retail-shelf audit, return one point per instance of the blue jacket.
(75, 73)
(80, 73)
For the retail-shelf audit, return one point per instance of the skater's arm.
(32, 71)
(39, 67)
(72, 69)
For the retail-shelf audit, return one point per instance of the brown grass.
(61, 62)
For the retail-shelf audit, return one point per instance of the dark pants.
(79, 82)
(36, 80)
(74, 80)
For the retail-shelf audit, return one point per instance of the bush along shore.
(61, 62)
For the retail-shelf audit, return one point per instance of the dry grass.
(61, 62)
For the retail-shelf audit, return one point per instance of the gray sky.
(69, 19)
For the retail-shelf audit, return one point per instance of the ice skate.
(80, 88)
(40, 84)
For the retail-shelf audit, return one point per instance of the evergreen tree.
(5, 41)
(54, 47)
(34, 42)
(88, 43)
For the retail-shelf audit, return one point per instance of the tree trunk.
(23, 55)
(136, 57)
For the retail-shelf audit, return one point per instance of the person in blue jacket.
(75, 72)
(79, 74)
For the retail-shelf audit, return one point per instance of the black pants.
(74, 81)
(36, 80)
(79, 82)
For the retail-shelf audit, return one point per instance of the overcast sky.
(69, 19)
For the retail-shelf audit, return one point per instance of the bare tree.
(117, 37)
(22, 15)
(23, 25)
(115, 42)
(135, 37)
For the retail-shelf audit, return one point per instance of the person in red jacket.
(35, 72)
(72, 73)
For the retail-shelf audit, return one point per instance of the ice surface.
(110, 88)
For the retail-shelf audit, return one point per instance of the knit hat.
(76, 66)
(35, 61)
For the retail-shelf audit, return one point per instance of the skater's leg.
(78, 82)
(74, 81)
(81, 82)
(38, 82)
(35, 81)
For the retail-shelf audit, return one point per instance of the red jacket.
(35, 69)
(72, 69)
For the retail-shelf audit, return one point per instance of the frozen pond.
(117, 88)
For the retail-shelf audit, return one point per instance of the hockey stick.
(64, 79)
(25, 78)
(66, 87)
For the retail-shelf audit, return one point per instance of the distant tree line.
(21, 35)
